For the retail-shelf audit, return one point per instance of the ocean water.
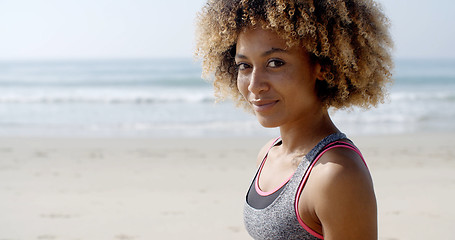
(167, 98)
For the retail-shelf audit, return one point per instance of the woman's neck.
(303, 135)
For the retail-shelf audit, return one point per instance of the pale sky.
(87, 29)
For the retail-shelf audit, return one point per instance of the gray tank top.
(279, 220)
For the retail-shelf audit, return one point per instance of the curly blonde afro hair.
(349, 38)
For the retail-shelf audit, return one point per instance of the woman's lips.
(263, 105)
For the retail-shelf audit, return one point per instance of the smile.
(263, 105)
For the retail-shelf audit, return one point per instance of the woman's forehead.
(258, 40)
(257, 36)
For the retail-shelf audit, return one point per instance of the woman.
(289, 62)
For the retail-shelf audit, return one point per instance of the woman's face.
(276, 80)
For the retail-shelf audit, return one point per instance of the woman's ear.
(322, 71)
(319, 71)
(320, 68)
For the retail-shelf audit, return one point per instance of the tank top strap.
(274, 143)
(313, 153)
(310, 156)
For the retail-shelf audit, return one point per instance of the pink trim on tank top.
(256, 181)
(265, 194)
(305, 178)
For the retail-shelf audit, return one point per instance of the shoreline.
(194, 188)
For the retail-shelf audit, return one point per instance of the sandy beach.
(125, 188)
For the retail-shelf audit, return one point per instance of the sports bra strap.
(343, 145)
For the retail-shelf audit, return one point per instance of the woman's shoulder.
(340, 165)
(342, 191)
(341, 175)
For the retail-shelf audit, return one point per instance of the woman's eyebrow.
(241, 56)
(274, 50)
(266, 53)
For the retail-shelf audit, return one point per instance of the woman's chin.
(267, 123)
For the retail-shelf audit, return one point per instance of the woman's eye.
(275, 63)
(242, 66)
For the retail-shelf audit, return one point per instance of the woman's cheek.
(242, 86)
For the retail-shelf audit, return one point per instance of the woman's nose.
(258, 82)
